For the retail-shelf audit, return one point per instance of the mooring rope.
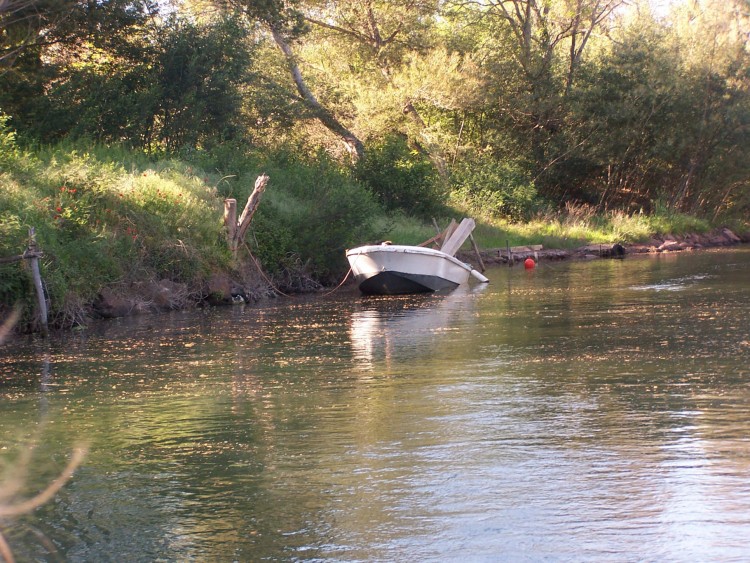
(346, 277)
(262, 273)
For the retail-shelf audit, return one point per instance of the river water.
(587, 411)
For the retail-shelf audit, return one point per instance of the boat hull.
(399, 269)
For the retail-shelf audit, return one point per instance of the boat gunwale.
(406, 249)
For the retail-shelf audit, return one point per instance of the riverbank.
(250, 286)
(722, 237)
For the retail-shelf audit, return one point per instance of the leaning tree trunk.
(237, 228)
(324, 115)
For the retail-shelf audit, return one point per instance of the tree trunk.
(236, 231)
(351, 141)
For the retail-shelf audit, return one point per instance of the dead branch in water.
(14, 484)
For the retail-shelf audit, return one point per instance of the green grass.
(105, 220)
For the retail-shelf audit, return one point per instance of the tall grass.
(109, 217)
(578, 225)
(104, 217)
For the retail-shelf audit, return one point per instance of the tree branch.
(350, 140)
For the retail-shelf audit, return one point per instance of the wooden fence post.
(33, 257)
(230, 219)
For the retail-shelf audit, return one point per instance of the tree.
(391, 65)
(712, 37)
(546, 40)
(42, 23)
(284, 21)
(662, 115)
(41, 40)
(353, 144)
(21, 24)
(383, 32)
(164, 86)
(200, 73)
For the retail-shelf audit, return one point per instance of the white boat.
(391, 269)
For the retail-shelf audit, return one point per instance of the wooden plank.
(448, 232)
(435, 224)
(476, 251)
(459, 236)
(437, 238)
(530, 248)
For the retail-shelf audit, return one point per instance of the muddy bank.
(155, 296)
(658, 244)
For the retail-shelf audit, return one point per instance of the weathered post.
(230, 218)
(476, 251)
(239, 227)
(33, 257)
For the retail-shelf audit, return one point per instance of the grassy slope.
(105, 218)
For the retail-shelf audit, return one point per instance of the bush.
(401, 179)
(311, 212)
(486, 188)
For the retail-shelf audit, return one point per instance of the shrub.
(490, 189)
(311, 212)
(401, 179)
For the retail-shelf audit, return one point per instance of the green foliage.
(312, 212)
(165, 89)
(271, 238)
(486, 188)
(635, 137)
(201, 69)
(8, 147)
(14, 281)
(400, 178)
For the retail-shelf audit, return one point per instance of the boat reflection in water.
(408, 326)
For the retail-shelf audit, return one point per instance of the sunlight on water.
(587, 411)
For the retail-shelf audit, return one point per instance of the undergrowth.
(111, 217)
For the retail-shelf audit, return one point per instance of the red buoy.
(529, 264)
